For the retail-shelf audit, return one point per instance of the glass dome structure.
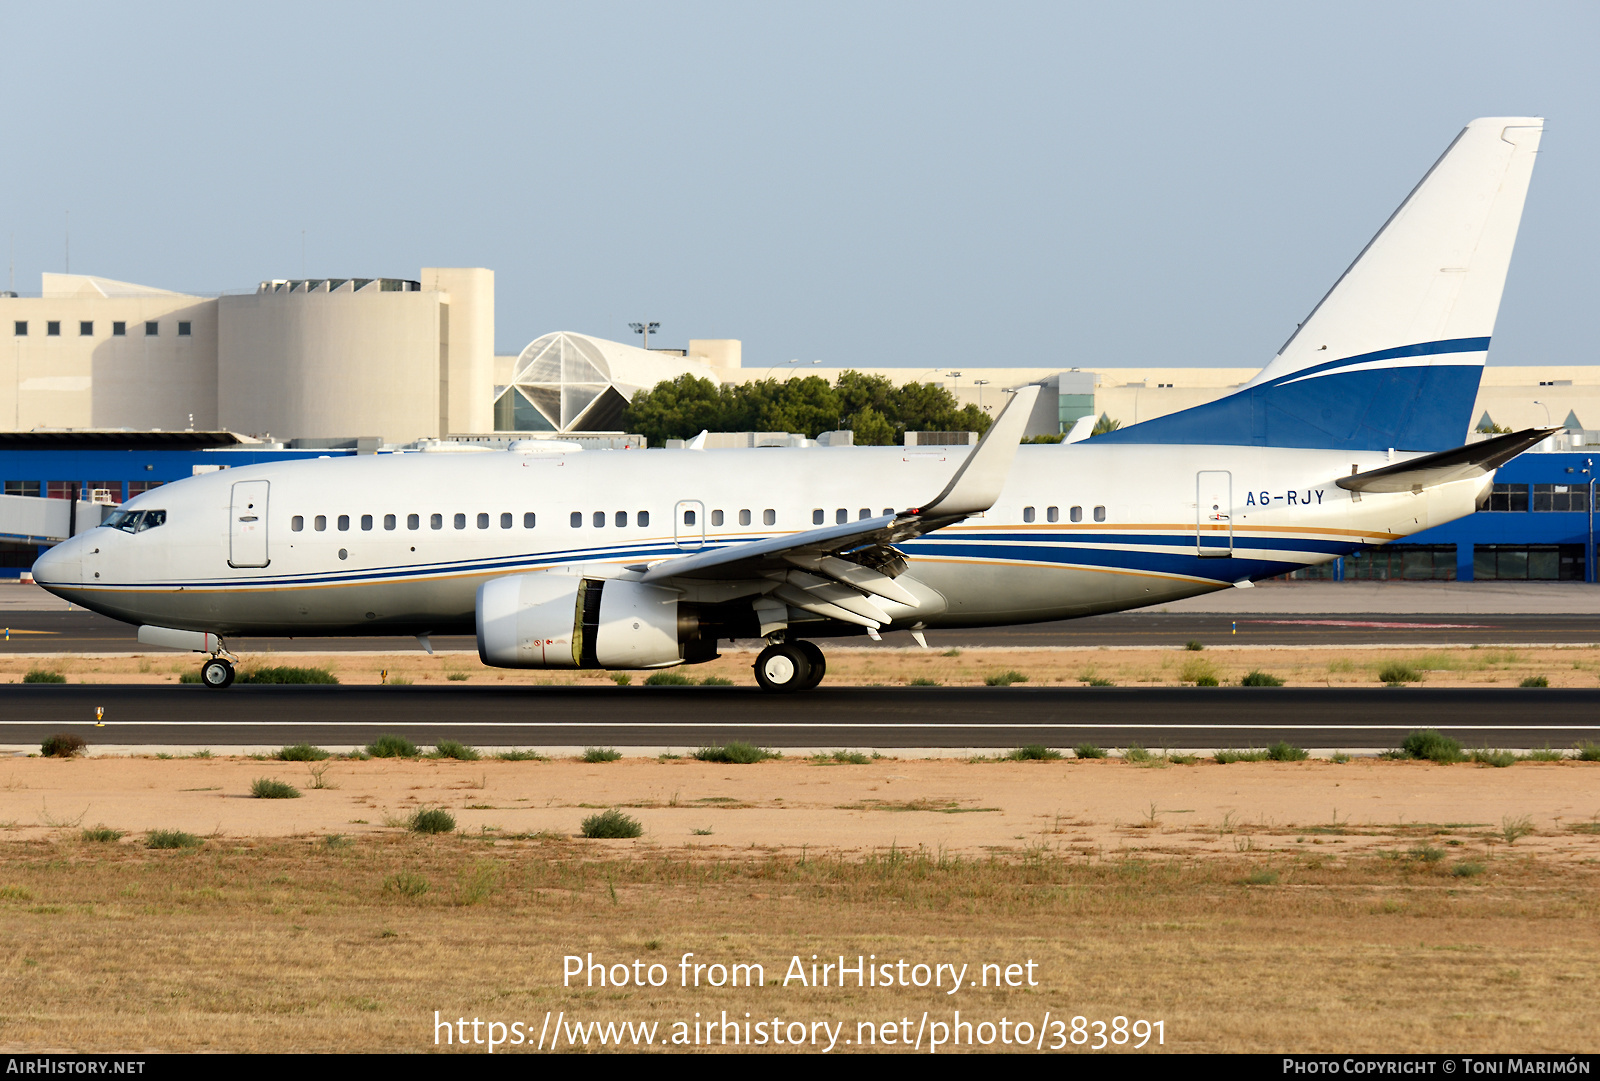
(566, 382)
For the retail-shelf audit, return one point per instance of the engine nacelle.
(560, 621)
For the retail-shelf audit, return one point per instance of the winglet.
(698, 442)
(978, 482)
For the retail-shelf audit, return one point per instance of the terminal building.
(115, 387)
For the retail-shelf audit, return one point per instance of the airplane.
(1350, 436)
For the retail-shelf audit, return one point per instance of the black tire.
(782, 669)
(819, 664)
(216, 673)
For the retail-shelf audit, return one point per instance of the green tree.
(680, 408)
(871, 428)
(1105, 424)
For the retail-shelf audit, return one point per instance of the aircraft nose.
(61, 565)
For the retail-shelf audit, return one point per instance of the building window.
(461, 521)
(483, 520)
(643, 518)
(1560, 497)
(1099, 514)
(716, 517)
(183, 329)
(366, 522)
(528, 520)
(769, 517)
(53, 328)
(1528, 562)
(1027, 514)
(151, 329)
(505, 520)
(86, 328)
(577, 519)
(298, 523)
(119, 329)
(622, 518)
(320, 523)
(389, 521)
(1410, 562)
(344, 523)
(413, 521)
(23, 487)
(1508, 497)
(20, 328)
(139, 487)
(1052, 514)
(744, 517)
(435, 521)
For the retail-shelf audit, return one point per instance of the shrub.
(1258, 678)
(406, 884)
(848, 758)
(1587, 752)
(668, 679)
(1544, 754)
(1034, 752)
(716, 681)
(1207, 681)
(736, 753)
(1467, 870)
(1513, 828)
(1483, 756)
(1427, 853)
(1261, 878)
(101, 835)
(1429, 743)
(1395, 672)
(62, 745)
(1230, 756)
(601, 754)
(923, 681)
(1136, 753)
(1535, 681)
(1089, 750)
(520, 756)
(1284, 751)
(40, 675)
(431, 820)
(267, 788)
(457, 677)
(287, 675)
(449, 748)
(392, 747)
(612, 823)
(171, 839)
(1099, 681)
(1191, 644)
(1004, 679)
(1195, 669)
(621, 679)
(302, 752)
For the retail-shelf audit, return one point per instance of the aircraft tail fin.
(1392, 355)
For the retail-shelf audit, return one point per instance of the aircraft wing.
(840, 570)
(1462, 463)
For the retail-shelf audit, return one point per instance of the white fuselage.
(400, 543)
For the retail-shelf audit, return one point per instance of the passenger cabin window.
(298, 523)
(436, 521)
(622, 518)
(1052, 514)
(841, 516)
(388, 521)
(744, 517)
(865, 513)
(816, 516)
(366, 522)
(716, 517)
(483, 520)
(599, 519)
(320, 522)
(688, 517)
(135, 521)
(344, 522)
(461, 521)
(505, 520)
(1027, 514)
(643, 518)
(577, 519)
(413, 521)
(1076, 514)
(1099, 514)
(527, 520)
(769, 517)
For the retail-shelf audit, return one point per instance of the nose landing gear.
(217, 673)
(790, 666)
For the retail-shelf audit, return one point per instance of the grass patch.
(171, 839)
(1197, 668)
(1207, 681)
(62, 745)
(1543, 754)
(1467, 869)
(1034, 752)
(1425, 853)
(610, 824)
(407, 884)
(601, 754)
(1483, 756)
(1339, 758)
(1284, 751)
(1088, 750)
(1231, 756)
(42, 675)
(621, 679)
(267, 788)
(302, 752)
(923, 682)
(101, 835)
(1535, 681)
(1004, 679)
(849, 758)
(521, 756)
(1258, 678)
(736, 753)
(1261, 878)
(716, 681)
(1430, 744)
(1395, 672)
(392, 747)
(1136, 753)
(1587, 751)
(1193, 645)
(431, 820)
(286, 675)
(449, 748)
(668, 679)
(1511, 829)
(457, 677)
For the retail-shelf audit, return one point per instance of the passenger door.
(247, 524)
(1213, 513)
(689, 523)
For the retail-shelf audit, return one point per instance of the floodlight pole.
(645, 330)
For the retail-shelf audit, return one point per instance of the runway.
(77, 631)
(864, 717)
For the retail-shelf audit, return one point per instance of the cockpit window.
(135, 521)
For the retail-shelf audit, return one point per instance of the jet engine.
(561, 621)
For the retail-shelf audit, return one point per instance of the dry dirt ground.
(1307, 666)
(1368, 906)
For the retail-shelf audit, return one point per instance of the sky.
(864, 184)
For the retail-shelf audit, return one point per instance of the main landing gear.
(217, 673)
(790, 666)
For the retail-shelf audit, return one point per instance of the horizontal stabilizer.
(1463, 463)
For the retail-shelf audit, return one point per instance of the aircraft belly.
(980, 595)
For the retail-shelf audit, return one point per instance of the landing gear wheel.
(782, 668)
(216, 673)
(819, 663)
